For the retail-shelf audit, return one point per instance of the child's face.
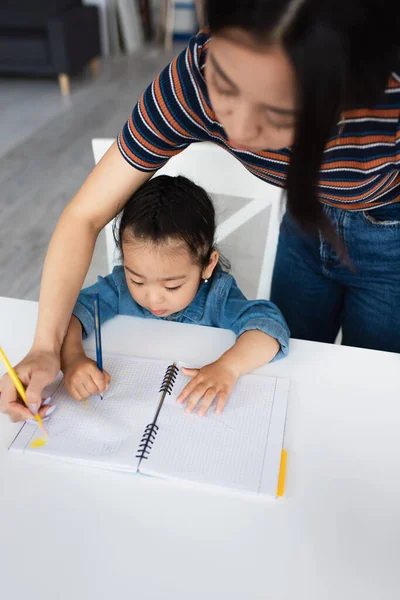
(163, 277)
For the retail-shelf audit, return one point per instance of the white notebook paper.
(239, 449)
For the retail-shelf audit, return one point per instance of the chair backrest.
(210, 166)
(219, 173)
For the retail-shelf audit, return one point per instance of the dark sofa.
(48, 37)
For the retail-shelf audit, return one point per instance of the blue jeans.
(318, 294)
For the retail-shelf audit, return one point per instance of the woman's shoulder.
(198, 47)
(191, 63)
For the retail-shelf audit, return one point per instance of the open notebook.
(132, 430)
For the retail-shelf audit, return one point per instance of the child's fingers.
(195, 396)
(69, 383)
(91, 386)
(73, 392)
(222, 398)
(79, 391)
(99, 380)
(82, 388)
(187, 390)
(190, 372)
(208, 399)
(108, 378)
(85, 387)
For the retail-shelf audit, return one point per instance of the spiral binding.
(169, 379)
(147, 441)
(151, 430)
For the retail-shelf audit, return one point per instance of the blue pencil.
(97, 332)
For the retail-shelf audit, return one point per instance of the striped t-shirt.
(360, 168)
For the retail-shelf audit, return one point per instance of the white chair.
(218, 172)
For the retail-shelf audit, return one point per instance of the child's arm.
(262, 336)
(82, 378)
(253, 349)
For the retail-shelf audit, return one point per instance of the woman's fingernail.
(31, 421)
(33, 408)
(50, 410)
(47, 401)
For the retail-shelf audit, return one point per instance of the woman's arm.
(72, 345)
(148, 141)
(70, 252)
(101, 197)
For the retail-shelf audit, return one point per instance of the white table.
(69, 532)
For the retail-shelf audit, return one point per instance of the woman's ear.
(212, 263)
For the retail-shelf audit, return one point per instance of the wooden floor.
(45, 156)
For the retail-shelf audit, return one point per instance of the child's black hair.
(167, 208)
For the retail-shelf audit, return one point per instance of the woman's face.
(252, 92)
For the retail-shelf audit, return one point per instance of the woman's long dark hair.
(342, 52)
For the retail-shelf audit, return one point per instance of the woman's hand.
(82, 378)
(216, 380)
(38, 369)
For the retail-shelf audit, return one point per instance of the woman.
(305, 94)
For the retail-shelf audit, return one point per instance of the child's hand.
(82, 378)
(216, 379)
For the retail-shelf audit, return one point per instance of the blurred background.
(71, 71)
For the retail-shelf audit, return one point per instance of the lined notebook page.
(106, 432)
(227, 450)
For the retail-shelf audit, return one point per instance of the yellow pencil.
(282, 474)
(18, 385)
